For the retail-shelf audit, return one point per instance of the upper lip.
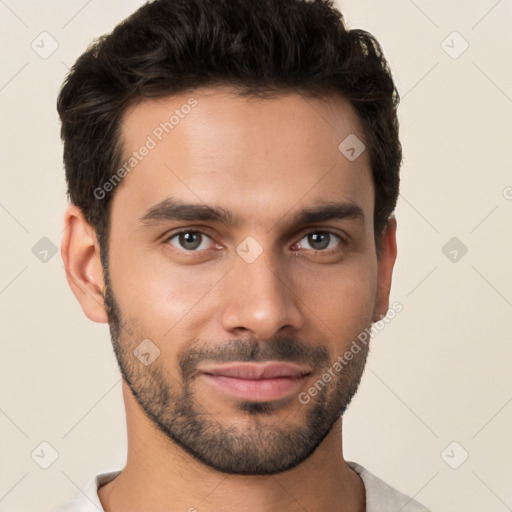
(258, 370)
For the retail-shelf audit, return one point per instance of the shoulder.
(87, 499)
(381, 497)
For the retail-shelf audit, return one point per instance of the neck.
(160, 476)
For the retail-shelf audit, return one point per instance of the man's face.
(258, 287)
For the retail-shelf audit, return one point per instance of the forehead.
(254, 157)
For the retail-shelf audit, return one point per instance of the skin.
(263, 160)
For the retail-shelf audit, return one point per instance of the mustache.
(286, 349)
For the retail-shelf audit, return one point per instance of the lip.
(257, 382)
(258, 370)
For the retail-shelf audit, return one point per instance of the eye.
(189, 240)
(321, 240)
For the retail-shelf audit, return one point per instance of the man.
(233, 170)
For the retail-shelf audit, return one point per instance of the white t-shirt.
(380, 497)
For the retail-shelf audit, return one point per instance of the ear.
(81, 256)
(385, 263)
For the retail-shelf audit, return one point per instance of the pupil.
(187, 240)
(315, 237)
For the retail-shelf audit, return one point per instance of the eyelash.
(319, 252)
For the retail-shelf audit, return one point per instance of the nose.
(258, 298)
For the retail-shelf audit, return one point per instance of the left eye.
(321, 240)
(188, 240)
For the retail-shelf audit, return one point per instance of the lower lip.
(256, 389)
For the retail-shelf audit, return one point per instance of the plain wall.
(438, 373)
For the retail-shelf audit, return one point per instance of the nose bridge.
(257, 296)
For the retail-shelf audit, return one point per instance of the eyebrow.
(172, 209)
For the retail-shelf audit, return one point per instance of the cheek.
(340, 298)
(157, 293)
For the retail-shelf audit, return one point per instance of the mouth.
(257, 381)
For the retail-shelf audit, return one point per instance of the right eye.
(188, 240)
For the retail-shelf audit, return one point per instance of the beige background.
(438, 373)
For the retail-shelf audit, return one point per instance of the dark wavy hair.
(261, 48)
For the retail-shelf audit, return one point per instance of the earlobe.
(385, 263)
(81, 257)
